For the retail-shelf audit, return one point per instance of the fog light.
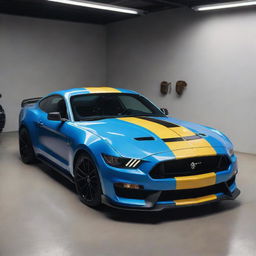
(128, 186)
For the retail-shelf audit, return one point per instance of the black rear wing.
(30, 101)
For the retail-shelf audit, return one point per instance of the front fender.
(93, 145)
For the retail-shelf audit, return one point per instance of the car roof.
(89, 90)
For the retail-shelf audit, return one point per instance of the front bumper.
(167, 193)
(170, 205)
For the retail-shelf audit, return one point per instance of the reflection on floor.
(41, 215)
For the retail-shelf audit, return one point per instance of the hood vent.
(201, 134)
(144, 138)
(187, 138)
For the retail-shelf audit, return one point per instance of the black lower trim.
(56, 168)
(160, 207)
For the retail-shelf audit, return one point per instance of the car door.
(52, 135)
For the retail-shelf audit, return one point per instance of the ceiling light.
(101, 6)
(210, 7)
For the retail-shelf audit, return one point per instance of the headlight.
(121, 162)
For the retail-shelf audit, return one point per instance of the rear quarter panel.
(28, 118)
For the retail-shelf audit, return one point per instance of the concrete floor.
(41, 215)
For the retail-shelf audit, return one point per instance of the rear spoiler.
(30, 101)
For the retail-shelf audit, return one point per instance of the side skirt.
(56, 168)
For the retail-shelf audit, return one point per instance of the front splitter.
(159, 207)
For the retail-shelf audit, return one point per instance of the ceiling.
(51, 10)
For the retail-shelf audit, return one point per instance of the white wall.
(39, 56)
(214, 52)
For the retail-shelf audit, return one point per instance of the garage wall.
(214, 52)
(39, 56)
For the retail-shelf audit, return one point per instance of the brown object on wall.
(164, 87)
(180, 86)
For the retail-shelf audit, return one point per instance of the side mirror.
(54, 116)
(165, 111)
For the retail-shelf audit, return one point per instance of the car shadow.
(174, 214)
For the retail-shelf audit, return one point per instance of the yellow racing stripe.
(183, 132)
(178, 145)
(193, 151)
(196, 181)
(196, 200)
(181, 149)
(158, 129)
(196, 148)
(102, 90)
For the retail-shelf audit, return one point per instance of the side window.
(54, 103)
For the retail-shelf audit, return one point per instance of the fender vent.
(144, 138)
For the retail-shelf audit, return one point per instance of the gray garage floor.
(40, 215)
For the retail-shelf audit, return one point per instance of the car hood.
(139, 137)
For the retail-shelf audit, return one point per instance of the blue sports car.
(121, 150)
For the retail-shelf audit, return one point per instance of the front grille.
(190, 166)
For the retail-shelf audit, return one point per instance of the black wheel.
(87, 181)
(27, 153)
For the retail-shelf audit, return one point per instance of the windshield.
(107, 105)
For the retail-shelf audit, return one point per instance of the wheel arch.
(77, 154)
(22, 126)
(83, 149)
(80, 150)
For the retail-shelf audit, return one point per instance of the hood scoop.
(144, 138)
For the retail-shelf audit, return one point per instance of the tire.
(27, 153)
(87, 181)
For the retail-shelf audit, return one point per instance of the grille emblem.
(193, 165)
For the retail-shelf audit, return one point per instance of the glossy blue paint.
(60, 141)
